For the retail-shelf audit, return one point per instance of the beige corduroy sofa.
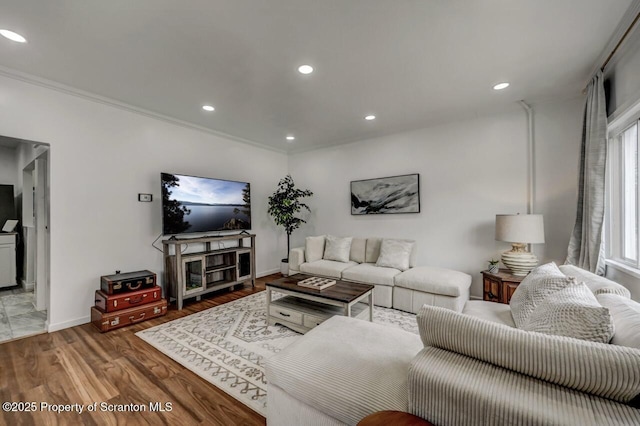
(469, 368)
(401, 286)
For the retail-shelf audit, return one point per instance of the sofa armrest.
(296, 258)
(600, 369)
(449, 388)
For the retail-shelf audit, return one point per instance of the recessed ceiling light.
(208, 108)
(13, 36)
(291, 138)
(305, 69)
(501, 86)
(370, 117)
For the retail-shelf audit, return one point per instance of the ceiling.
(411, 63)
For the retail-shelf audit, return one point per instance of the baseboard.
(27, 286)
(84, 320)
(269, 272)
(66, 324)
(472, 297)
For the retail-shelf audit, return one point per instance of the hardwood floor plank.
(80, 365)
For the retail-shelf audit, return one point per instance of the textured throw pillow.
(534, 288)
(314, 248)
(395, 254)
(337, 248)
(626, 319)
(572, 312)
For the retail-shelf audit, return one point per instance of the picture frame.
(386, 195)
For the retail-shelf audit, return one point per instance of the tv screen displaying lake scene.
(196, 204)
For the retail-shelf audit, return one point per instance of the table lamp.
(520, 230)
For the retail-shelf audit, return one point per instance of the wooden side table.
(499, 287)
(387, 418)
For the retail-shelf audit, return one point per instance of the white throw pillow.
(572, 312)
(626, 319)
(534, 288)
(395, 254)
(314, 248)
(337, 249)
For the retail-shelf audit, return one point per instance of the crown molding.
(68, 90)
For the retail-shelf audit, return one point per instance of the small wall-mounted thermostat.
(145, 197)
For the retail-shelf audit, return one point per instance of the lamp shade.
(520, 228)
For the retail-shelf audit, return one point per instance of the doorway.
(24, 307)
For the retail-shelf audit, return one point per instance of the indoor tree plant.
(284, 204)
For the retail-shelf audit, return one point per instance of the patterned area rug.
(227, 345)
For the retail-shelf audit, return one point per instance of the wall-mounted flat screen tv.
(195, 204)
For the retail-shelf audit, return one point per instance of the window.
(623, 196)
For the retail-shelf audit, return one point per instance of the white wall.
(101, 158)
(469, 172)
(558, 132)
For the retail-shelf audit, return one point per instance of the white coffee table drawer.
(285, 314)
(312, 321)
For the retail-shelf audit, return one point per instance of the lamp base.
(519, 261)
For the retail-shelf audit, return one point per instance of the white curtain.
(585, 247)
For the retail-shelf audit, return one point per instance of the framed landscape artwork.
(395, 194)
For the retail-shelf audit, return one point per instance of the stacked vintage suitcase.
(126, 299)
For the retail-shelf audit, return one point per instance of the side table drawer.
(285, 314)
(312, 321)
(492, 290)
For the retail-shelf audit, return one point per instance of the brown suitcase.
(129, 281)
(107, 321)
(117, 302)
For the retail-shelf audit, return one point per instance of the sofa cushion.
(595, 283)
(534, 288)
(358, 250)
(573, 312)
(490, 311)
(370, 273)
(372, 250)
(395, 254)
(326, 268)
(626, 319)
(337, 248)
(347, 368)
(314, 248)
(600, 369)
(430, 279)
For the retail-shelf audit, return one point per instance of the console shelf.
(194, 274)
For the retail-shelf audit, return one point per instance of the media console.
(214, 268)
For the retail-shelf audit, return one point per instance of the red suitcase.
(107, 321)
(116, 302)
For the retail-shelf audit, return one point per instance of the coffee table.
(302, 308)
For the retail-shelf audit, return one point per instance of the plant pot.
(284, 267)
(494, 269)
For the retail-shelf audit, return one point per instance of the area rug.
(228, 345)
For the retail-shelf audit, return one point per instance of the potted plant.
(493, 266)
(284, 204)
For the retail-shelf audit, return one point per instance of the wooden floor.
(79, 365)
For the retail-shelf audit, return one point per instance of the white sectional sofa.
(389, 265)
(470, 368)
